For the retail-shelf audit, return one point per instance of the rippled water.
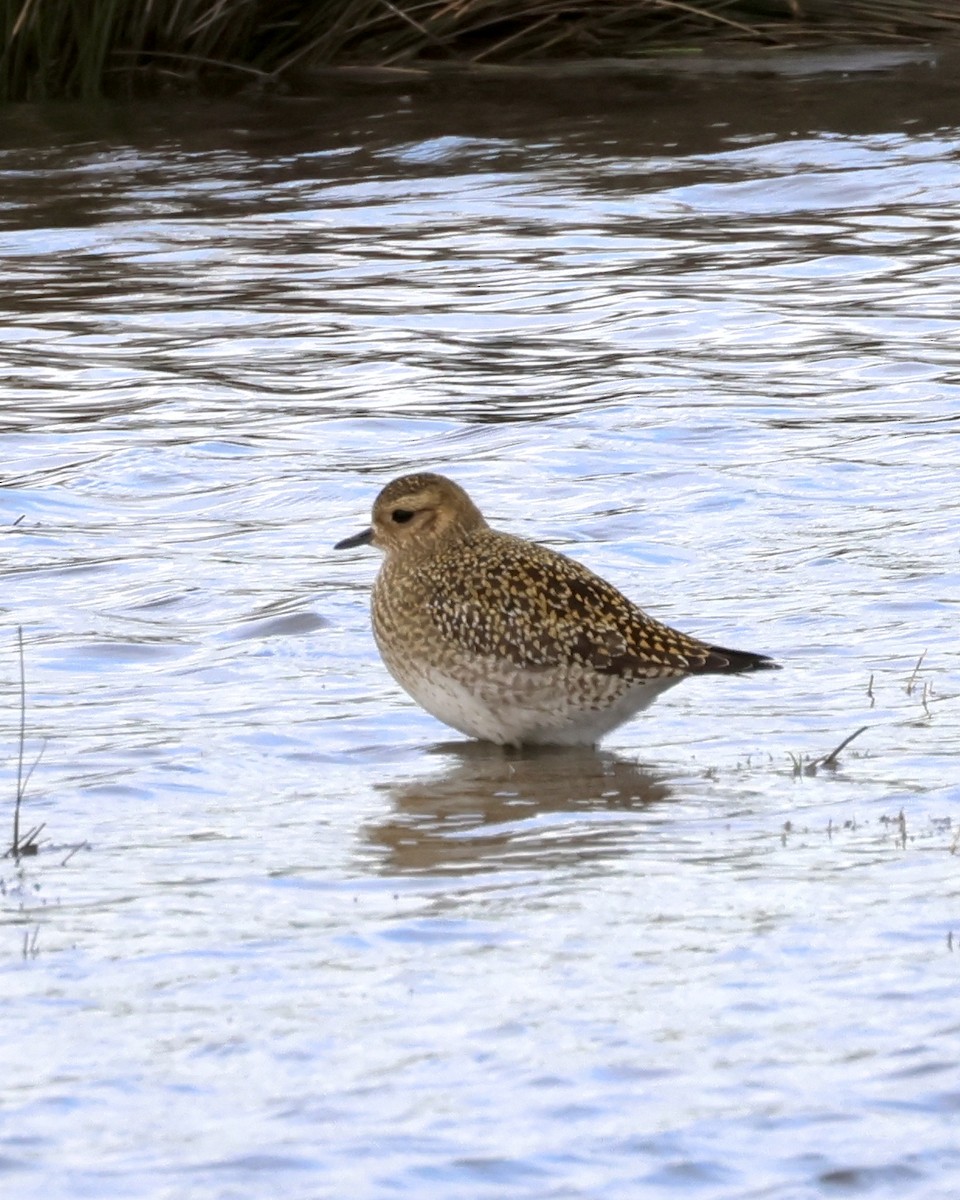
(286, 935)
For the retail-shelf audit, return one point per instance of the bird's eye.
(401, 516)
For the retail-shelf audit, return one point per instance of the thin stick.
(73, 851)
(831, 758)
(913, 677)
(30, 943)
(195, 58)
(30, 837)
(34, 765)
(28, 843)
(23, 738)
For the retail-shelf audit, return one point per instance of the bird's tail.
(721, 661)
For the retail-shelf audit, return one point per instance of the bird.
(509, 641)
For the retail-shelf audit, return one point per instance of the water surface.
(312, 943)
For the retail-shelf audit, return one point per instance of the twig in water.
(28, 843)
(30, 943)
(23, 845)
(916, 671)
(831, 759)
(78, 846)
(23, 738)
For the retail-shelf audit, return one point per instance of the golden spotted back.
(497, 595)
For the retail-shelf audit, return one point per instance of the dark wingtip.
(720, 660)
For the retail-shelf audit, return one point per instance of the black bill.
(364, 538)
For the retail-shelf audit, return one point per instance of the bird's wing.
(539, 609)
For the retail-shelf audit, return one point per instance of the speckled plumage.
(507, 640)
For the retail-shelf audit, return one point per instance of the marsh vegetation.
(66, 49)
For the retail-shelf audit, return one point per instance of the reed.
(88, 48)
(22, 844)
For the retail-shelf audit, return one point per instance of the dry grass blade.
(693, 10)
(30, 942)
(916, 671)
(23, 738)
(22, 18)
(830, 760)
(25, 844)
(827, 760)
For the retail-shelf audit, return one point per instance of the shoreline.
(124, 48)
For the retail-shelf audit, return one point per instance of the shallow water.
(312, 943)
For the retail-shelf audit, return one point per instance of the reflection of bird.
(506, 640)
(537, 808)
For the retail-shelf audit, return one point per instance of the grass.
(21, 846)
(57, 49)
(26, 845)
(804, 766)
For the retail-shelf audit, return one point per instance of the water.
(286, 934)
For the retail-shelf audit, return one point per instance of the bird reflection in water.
(495, 809)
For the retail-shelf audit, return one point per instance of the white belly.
(511, 706)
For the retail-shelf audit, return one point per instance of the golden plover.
(507, 640)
